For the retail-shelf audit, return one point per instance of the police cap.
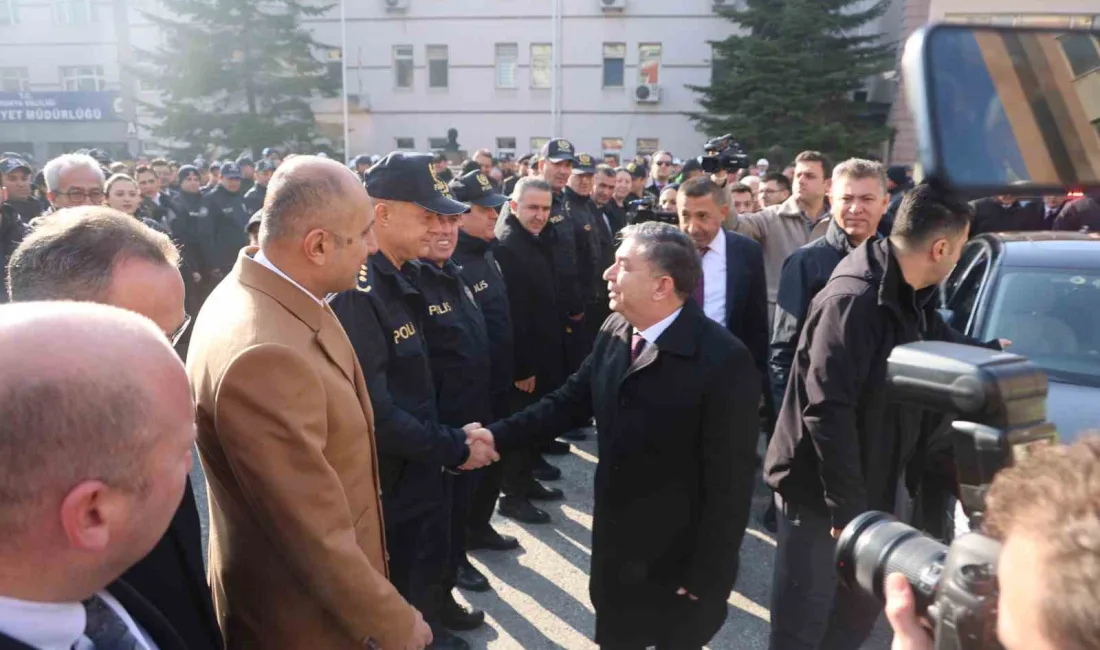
(265, 166)
(637, 171)
(8, 165)
(245, 160)
(254, 220)
(584, 164)
(476, 188)
(231, 170)
(558, 150)
(410, 177)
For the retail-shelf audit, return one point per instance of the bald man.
(286, 432)
(94, 455)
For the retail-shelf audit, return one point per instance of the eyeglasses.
(175, 337)
(77, 195)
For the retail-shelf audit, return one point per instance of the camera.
(1000, 402)
(645, 209)
(724, 153)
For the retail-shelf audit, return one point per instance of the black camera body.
(724, 153)
(1000, 399)
(645, 209)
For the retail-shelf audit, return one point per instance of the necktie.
(637, 344)
(106, 629)
(698, 293)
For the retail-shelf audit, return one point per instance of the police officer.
(384, 319)
(581, 211)
(15, 177)
(189, 229)
(248, 172)
(226, 220)
(458, 346)
(254, 198)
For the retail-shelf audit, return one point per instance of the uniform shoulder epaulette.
(363, 281)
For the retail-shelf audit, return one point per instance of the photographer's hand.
(901, 611)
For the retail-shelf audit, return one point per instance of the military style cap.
(231, 170)
(637, 171)
(265, 166)
(255, 219)
(558, 150)
(525, 158)
(245, 160)
(8, 165)
(584, 164)
(411, 177)
(476, 188)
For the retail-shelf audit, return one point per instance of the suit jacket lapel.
(732, 277)
(334, 341)
(147, 616)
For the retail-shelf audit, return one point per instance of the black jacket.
(805, 273)
(143, 613)
(608, 222)
(12, 231)
(991, 216)
(527, 263)
(479, 268)
(568, 260)
(254, 198)
(224, 235)
(838, 446)
(172, 578)
(382, 318)
(189, 230)
(747, 296)
(1084, 213)
(581, 213)
(678, 430)
(26, 209)
(458, 346)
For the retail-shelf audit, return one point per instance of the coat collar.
(680, 338)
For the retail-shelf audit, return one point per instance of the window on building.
(612, 149)
(75, 12)
(648, 146)
(437, 66)
(435, 144)
(9, 12)
(541, 62)
(649, 63)
(13, 80)
(405, 143)
(507, 60)
(538, 143)
(1082, 50)
(82, 77)
(506, 143)
(614, 65)
(403, 66)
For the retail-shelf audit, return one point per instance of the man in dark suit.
(140, 265)
(675, 399)
(1006, 214)
(94, 455)
(732, 290)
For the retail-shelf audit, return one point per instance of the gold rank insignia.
(440, 186)
(565, 145)
(484, 182)
(363, 282)
(584, 159)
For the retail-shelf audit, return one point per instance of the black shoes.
(522, 511)
(444, 640)
(544, 471)
(458, 618)
(490, 540)
(556, 448)
(470, 579)
(539, 492)
(577, 435)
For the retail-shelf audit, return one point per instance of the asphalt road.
(540, 592)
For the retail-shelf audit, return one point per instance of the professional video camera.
(1000, 399)
(645, 209)
(724, 153)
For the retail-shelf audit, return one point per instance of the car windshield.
(1052, 316)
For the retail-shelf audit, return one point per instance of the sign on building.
(59, 106)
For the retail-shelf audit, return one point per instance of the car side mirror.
(1005, 110)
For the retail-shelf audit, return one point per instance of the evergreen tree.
(785, 83)
(235, 75)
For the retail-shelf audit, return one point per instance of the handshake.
(482, 449)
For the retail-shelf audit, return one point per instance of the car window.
(1052, 316)
(965, 260)
(965, 295)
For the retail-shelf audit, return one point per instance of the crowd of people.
(386, 352)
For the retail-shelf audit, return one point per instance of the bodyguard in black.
(384, 321)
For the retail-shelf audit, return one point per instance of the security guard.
(582, 213)
(384, 319)
(458, 346)
(15, 177)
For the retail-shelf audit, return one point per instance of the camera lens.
(875, 544)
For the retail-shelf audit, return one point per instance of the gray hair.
(858, 168)
(527, 183)
(72, 253)
(68, 162)
(669, 251)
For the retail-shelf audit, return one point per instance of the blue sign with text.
(60, 106)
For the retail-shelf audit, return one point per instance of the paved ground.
(540, 597)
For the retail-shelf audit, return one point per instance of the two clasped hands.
(482, 448)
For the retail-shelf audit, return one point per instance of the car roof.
(1048, 249)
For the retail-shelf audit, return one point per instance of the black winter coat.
(839, 446)
(527, 263)
(382, 318)
(458, 346)
(12, 231)
(225, 234)
(991, 216)
(678, 430)
(189, 230)
(254, 199)
(581, 213)
(482, 274)
(1084, 213)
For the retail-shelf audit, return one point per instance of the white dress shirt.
(654, 331)
(714, 280)
(59, 626)
(262, 260)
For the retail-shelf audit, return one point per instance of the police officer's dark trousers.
(417, 548)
